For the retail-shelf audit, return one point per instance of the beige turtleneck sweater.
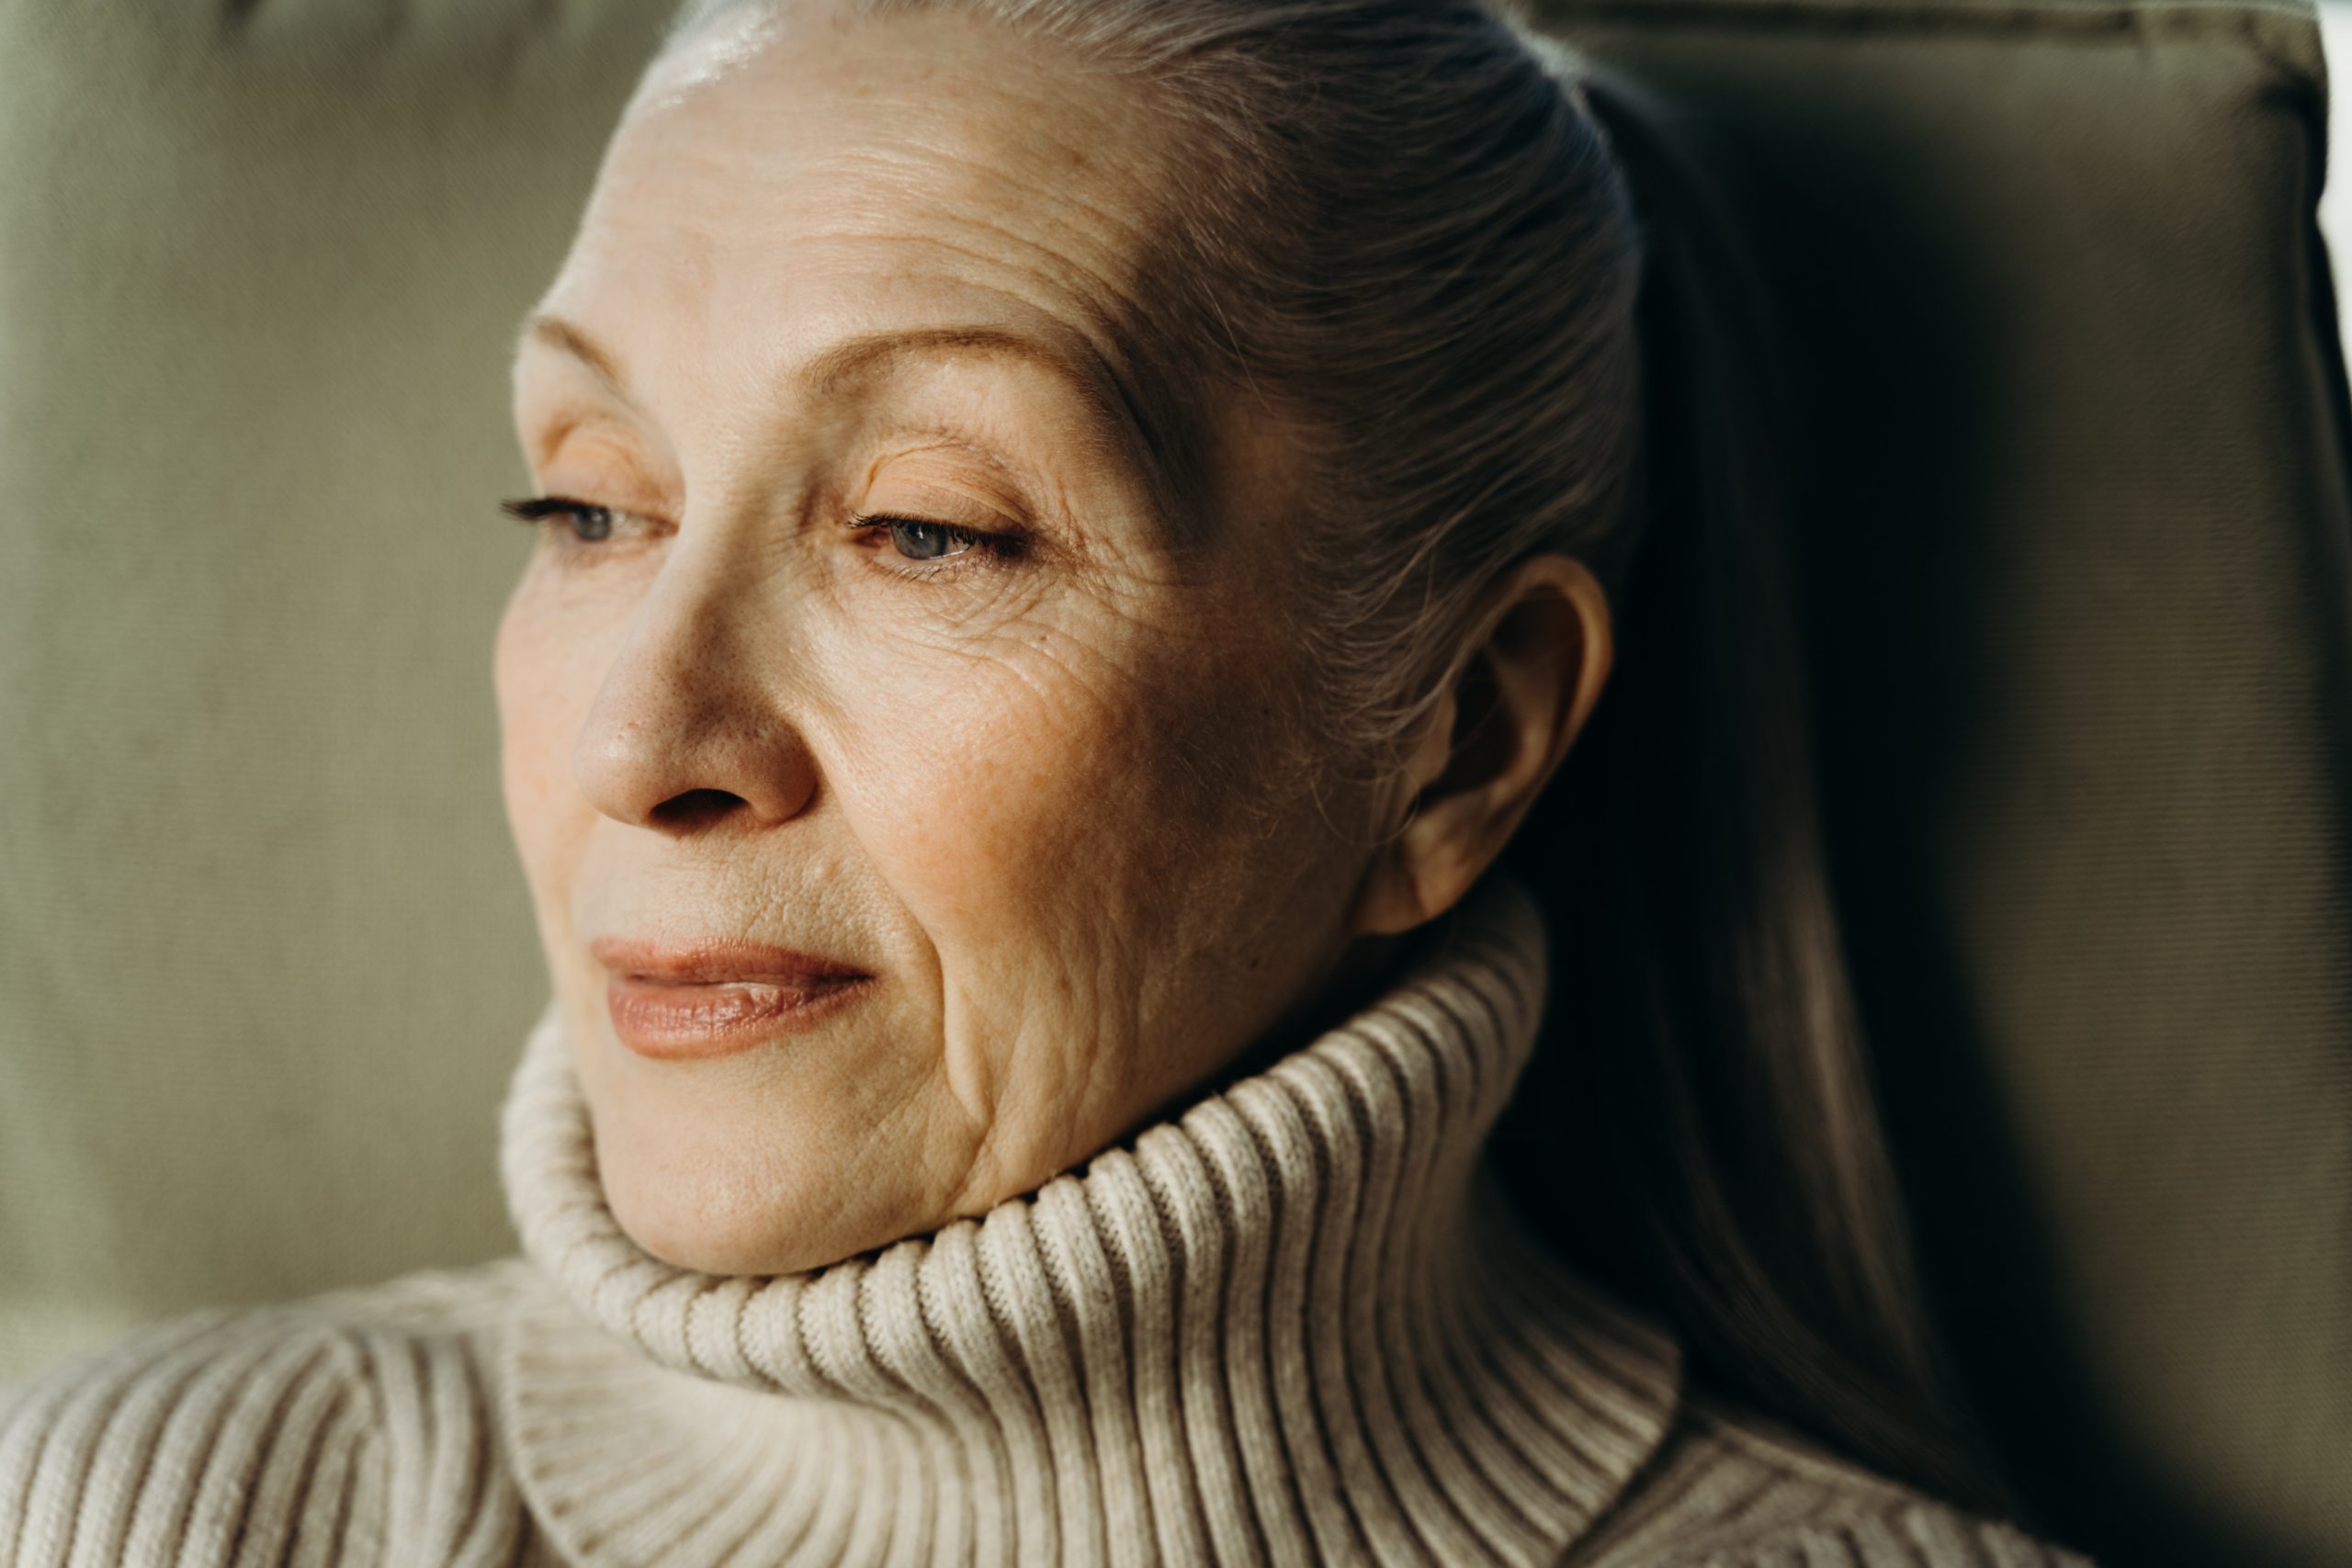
(1297, 1324)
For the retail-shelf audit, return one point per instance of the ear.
(1533, 663)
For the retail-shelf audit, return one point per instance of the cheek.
(542, 693)
(1032, 791)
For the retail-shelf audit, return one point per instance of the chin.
(724, 1209)
(704, 1239)
(714, 1178)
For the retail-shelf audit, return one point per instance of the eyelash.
(979, 547)
(556, 516)
(551, 514)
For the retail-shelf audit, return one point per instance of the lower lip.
(691, 1021)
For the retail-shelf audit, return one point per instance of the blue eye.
(927, 541)
(939, 546)
(588, 523)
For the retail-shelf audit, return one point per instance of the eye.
(927, 541)
(917, 539)
(584, 522)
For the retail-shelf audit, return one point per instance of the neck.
(1297, 1323)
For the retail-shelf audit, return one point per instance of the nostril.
(694, 807)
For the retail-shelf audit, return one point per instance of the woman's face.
(873, 641)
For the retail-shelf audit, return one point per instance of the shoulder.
(353, 1427)
(1733, 1488)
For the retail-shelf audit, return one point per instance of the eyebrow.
(557, 334)
(1114, 412)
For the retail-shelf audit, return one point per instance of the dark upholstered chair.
(2076, 565)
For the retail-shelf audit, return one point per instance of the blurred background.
(2076, 566)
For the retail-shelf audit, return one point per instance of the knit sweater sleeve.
(1733, 1489)
(351, 1428)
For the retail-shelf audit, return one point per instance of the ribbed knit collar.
(1297, 1323)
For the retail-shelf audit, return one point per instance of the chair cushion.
(2073, 534)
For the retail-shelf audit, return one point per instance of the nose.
(690, 726)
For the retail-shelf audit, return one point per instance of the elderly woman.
(1074, 537)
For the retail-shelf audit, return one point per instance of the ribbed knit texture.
(1297, 1324)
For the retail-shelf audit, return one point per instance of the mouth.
(706, 999)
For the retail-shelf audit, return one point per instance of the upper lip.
(716, 960)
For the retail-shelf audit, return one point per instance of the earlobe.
(1532, 670)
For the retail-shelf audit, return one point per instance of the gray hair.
(1414, 224)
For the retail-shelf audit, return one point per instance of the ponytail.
(1706, 1069)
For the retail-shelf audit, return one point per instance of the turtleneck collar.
(1297, 1323)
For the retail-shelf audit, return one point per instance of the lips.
(696, 1000)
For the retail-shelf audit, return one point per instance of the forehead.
(795, 177)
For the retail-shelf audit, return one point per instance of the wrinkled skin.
(1029, 767)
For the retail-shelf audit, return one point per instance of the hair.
(1525, 323)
